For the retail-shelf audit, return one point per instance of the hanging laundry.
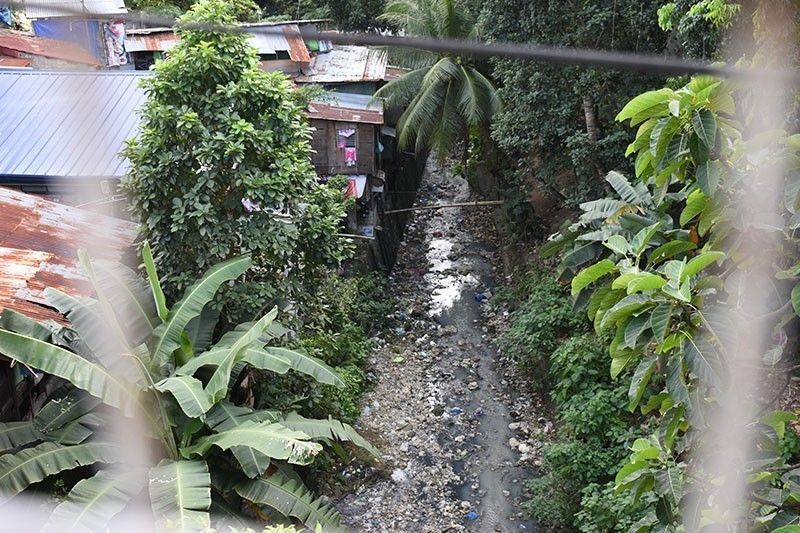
(114, 33)
(351, 190)
(345, 138)
(350, 157)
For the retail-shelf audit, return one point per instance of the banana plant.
(127, 354)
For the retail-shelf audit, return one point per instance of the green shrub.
(333, 323)
(603, 510)
(550, 339)
(790, 445)
(577, 366)
(597, 415)
(373, 304)
(543, 319)
(567, 466)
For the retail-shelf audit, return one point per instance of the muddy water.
(440, 410)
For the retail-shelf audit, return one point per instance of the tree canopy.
(222, 167)
(444, 96)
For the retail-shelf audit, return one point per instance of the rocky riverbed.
(457, 427)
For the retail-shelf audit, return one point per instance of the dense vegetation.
(181, 380)
(659, 273)
(222, 167)
(658, 268)
(444, 97)
(558, 129)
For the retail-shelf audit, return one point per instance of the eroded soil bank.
(458, 429)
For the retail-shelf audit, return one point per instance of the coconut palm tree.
(444, 95)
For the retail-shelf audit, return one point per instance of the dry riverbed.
(458, 429)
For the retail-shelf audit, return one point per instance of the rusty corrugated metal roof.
(13, 62)
(284, 37)
(345, 107)
(150, 40)
(39, 242)
(346, 64)
(12, 41)
(392, 73)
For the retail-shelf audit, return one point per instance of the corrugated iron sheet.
(74, 124)
(39, 241)
(41, 46)
(159, 40)
(13, 62)
(345, 107)
(46, 9)
(272, 39)
(345, 64)
(67, 124)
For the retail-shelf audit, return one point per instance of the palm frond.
(94, 502)
(329, 429)
(17, 322)
(87, 375)
(133, 305)
(225, 416)
(200, 329)
(290, 498)
(192, 398)
(60, 412)
(218, 384)
(273, 440)
(157, 292)
(401, 91)
(17, 434)
(29, 466)
(180, 493)
(168, 335)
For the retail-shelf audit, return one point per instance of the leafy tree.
(445, 96)
(357, 15)
(139, 358)
(347, 15)
(557, 126)
(648, 266)
(221, 167)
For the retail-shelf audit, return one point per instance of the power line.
(650, 63)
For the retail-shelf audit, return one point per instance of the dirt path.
(457, 441)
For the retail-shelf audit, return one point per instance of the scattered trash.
(399, 331)
(472, 515)
(399, 476)
(455, 411)
(399, 359)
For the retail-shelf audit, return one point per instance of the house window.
(346, 142)
(346, 137)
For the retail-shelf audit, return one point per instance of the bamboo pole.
(443, 206)
(354, 236)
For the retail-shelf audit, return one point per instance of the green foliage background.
(222, 167)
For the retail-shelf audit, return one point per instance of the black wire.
(655, 64)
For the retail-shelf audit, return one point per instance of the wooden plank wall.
(329, 158)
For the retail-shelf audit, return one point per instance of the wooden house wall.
(329, 158)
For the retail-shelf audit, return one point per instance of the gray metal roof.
(43, 9)
(67, 124)
(345, 63)
(353, 101)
